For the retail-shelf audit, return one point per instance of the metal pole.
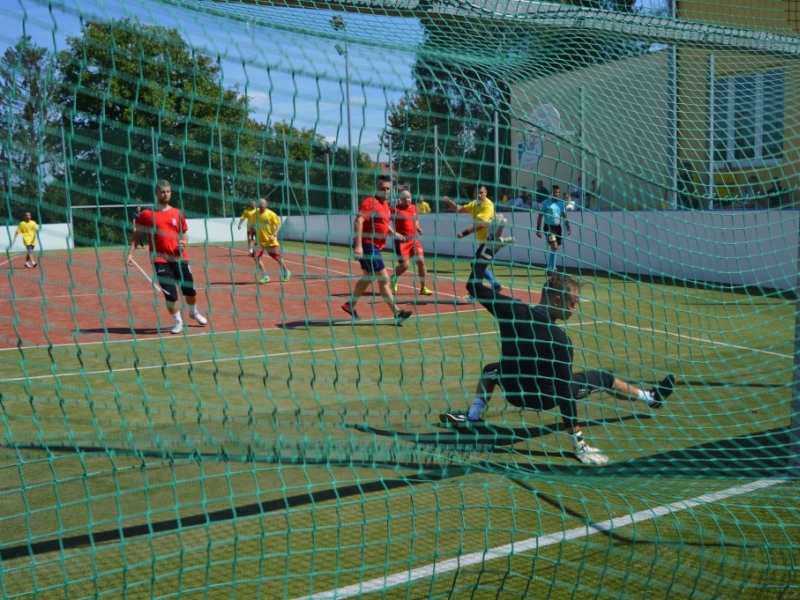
(794, 421)
(710, 77)
(673, 116)
(330, 184)
(286, 175)
(353, 179)
(391, 166)
(582, 119)
(436, 165)
(305, 167)
(70, 234)
(221, 175)
(496, 156)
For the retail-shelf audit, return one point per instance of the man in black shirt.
(535, 370)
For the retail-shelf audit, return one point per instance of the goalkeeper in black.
(535, 369)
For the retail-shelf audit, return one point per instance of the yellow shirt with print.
(481, 211)
(28, 230)
(423, 207)
(267, 223)
(250, 214)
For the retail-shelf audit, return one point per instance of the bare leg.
(422, 272)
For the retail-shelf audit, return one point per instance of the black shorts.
(521, 390)
(170, 275)
(552, 233)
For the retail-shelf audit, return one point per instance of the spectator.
(542, 194)
(776, 195)
(422, 206)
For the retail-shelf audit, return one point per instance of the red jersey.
(376, 221)
(164, 238)
(405, 219)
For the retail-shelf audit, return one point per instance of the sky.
(284, 59)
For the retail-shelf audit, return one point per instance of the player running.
(268, 224)
(370, 230)
(406, 223)
(28, 229)
(166, 229)
(249, 215)
(535, 368)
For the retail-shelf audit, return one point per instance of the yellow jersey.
(28, 230)
(423, 207)
(250, 215)
(267, 223)
(481, 211)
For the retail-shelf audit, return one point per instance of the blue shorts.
(372, 262)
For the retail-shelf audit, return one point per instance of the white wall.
(730, 248)
(50, 237)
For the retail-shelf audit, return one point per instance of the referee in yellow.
(250, 215)
(28, 229)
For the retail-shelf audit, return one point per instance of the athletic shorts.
(521, 390)
(552, 233)
(273, 251)
(408, 249)
(372, 261)
(30, 248)
(170, 275)
(251, 232)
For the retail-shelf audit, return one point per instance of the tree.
(29, 143)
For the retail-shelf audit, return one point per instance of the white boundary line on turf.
(535, 543)
(241, 358)
(15, 255)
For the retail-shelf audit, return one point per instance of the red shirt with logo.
(165, 235)
(405, 218)
(376, 215)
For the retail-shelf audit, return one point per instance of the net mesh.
(285, 449)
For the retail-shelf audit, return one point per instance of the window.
(748, 119)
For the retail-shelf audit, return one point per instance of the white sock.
(646, 396)
(477, 408)
(193, 309)
(177, 318)
(576, 440)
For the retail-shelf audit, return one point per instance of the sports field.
(286, 451)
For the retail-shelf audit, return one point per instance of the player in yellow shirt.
(267, 225)
(487, 227)
(28, 229)
(422, 206)
(249, 215)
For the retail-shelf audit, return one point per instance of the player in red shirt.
(166, 230)
(370, 230)
(406, 223)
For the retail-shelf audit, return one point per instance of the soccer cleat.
(588, 455)
(498, 287)
(287, 276)
(457, 419)
(402, 315)
(470, 299)
(35, 264)
(394, 284)
(177, 328)
(351, 311)
(502, 241)
(264, 279)
(425, 291)
(662, 391)
(199, 318)
(28, 265)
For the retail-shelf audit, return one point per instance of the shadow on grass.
(125, 330)
(759, 455)
(311, 323)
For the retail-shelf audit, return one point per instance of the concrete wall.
(729, 248)
(50, 237)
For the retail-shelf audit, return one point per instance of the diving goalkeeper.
(535, 369)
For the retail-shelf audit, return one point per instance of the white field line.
(534, 544)
(241, 358)
(13, 256)
(694, 339)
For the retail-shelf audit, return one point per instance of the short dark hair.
(162, 184)
(557, 187)
(383, 179)
(559, 284)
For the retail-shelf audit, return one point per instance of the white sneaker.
(177, 328)
(501, 242)
(28, 265)
(199, 318)
(589, 456)
(35, 264)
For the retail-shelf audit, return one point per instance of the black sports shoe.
(457, 419)
(402, 315)
(662, 391)
(350, 311)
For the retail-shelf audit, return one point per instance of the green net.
(284, 449)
